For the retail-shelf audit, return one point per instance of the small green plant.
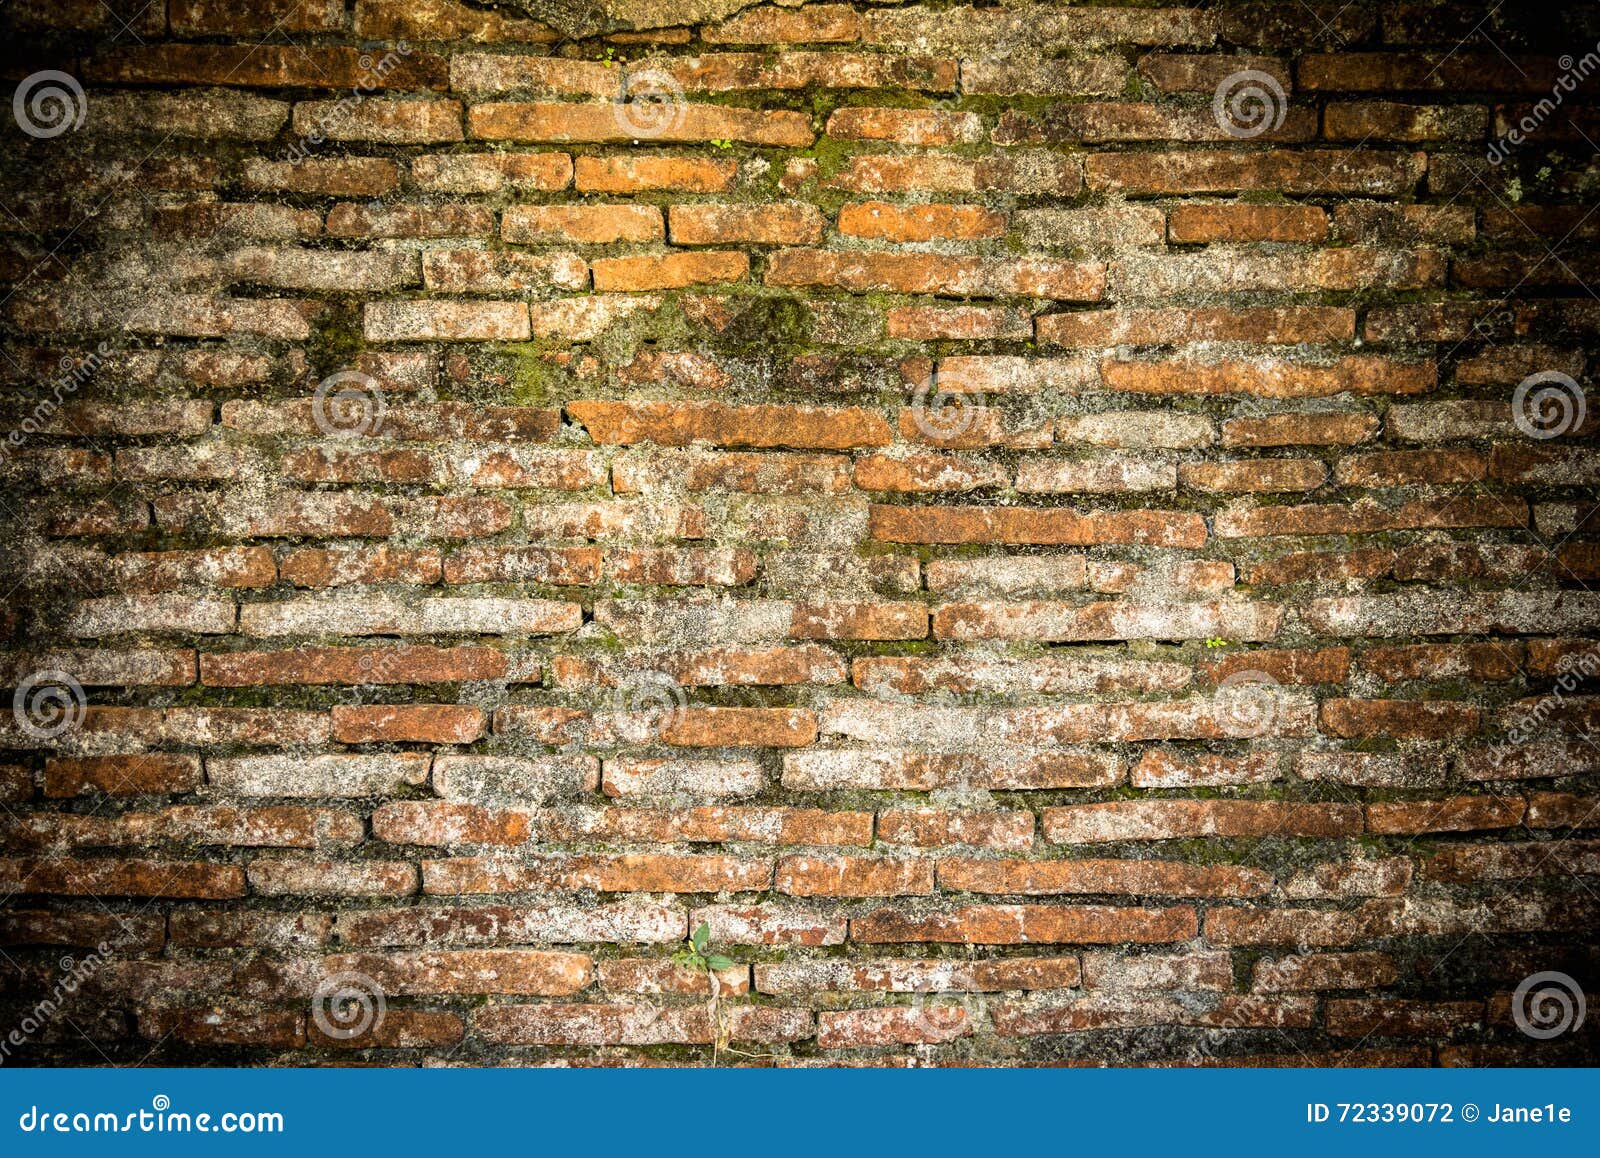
(609, 58)
(721, 143)
(1214, 642)
(695, 955)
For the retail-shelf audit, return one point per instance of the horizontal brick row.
(820, 534)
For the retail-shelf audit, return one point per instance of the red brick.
(634, 1025)
(1021, 924)
(920, 771)
(1333, 171)
(755, 727)
(646, 174)
(313, 567)
(589, 224)
(1250, 476)
(678, 424)
(846, 876)
(423, 321)
(1101, 877)
(780, 224)
(815, 24)
(645, 975)
(518, 972)
(1393, 1017)
(221, 17)
(1035, 173)
(276, 878)
(935, 827)
(1343, 429)
(1355, 374)
(1180, 819)
(1458, 814)
(1403, 719)
(388, 122)
(1368, 517)
(1035, 525)
(265, 66)
(691, 567)
(355, 665)
(647, 873)
(1143, 327)
(930, 273)
(1213, 223)
(668, 271)
(443, 823)
(489, 173)
(325, 176)
(887, 222)
(926, 127)
(601, 124)
(959, 323)
(899, 1025)
(134, 774)
(926, 472)
(125, 878)
(421, 723)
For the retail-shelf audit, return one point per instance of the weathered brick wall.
(1058, 532)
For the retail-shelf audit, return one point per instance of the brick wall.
(1056, 532)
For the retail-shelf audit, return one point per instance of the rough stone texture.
(1044, 574)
